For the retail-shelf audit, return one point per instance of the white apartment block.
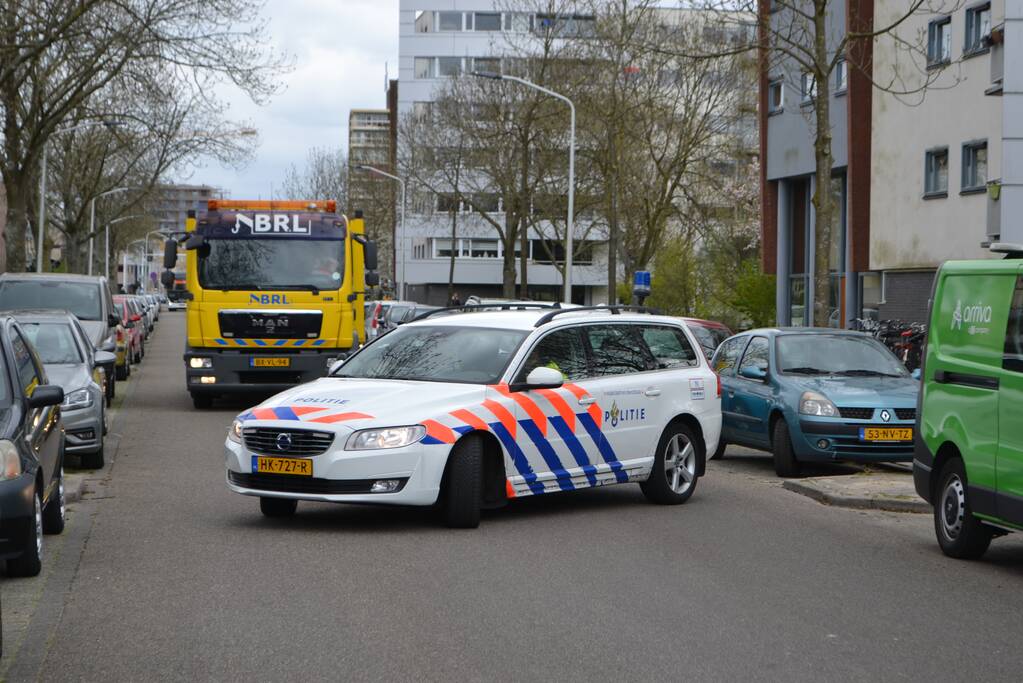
(173, 202)
(439, 39)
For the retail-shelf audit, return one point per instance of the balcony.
(996, 42)
(994, 211)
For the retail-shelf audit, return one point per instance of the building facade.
(371, 141)
(173, 202)
(439, 39)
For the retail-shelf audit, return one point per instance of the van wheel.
(202, 401)
(30, 562)
(278, 507)
(960, 534)
(785, 463)
(463, 484)
(673, 477)
(720, 452)
(55, 511)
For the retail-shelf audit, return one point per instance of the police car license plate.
(270, 362)
(297, 466)
(886, 434)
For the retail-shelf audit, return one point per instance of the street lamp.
(42, 183)
(401, 269)
(148, 254)
(92, 222)
(106, 263)
(571, 167)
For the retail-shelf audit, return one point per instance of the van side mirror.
(170, 254)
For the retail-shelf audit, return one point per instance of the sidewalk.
(870, 490)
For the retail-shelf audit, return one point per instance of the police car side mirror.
(540, 378)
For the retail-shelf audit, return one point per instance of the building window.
(423, 67)
(448, 203)
(775, 96)
(936, 173)
(488, 64)
(486, 21)
(939, 41)
(809, 88)
(449, 21)
(841, 76)
(974, 166)
(449, 66)
(978, 27)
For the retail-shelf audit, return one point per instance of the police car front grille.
(304, 442)
(285, 483)
(856, 413)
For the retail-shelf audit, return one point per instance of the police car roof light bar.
(613, 310)
(470, 308)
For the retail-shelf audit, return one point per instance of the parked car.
(84, 296)
(968, 461)
(123, 351)
(154, 301)
(815, 395)
(71, 363)
(134, 333)
(146, 311)
(709, 333)
(405, 312)
(31, 453)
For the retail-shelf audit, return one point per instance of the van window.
(1012, 359)
(728, 355)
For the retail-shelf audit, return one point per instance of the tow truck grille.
(270, 324)
(298, 442)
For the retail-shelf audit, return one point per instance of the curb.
(73, 485)
(879, 502)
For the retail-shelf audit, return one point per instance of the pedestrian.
(455, 300)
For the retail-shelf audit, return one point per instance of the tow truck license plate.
(886, 434)
(298, 466)
(270, 362)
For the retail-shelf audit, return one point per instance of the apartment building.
(928, 152)
(173, 202)
(371, 141)
(440, 39)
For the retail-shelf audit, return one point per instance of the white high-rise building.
(439, 39)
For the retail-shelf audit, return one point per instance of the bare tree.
(324, 176)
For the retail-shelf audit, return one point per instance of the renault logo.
(885, 417)
(283, 441)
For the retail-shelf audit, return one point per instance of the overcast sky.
(341, 50)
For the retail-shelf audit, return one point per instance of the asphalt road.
(179, 579)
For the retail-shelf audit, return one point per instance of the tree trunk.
(511, 234)
(16, 231)
(823, 198)
(451, 264)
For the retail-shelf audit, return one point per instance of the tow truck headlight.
(10, 461)
(812, 403)
(80, 398)
(388, 437)
(235, 432)
(200, 363)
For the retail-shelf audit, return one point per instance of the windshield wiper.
(312, 288)
(805, 371)
(866, 373)
(238, 287)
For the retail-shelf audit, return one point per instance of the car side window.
(83, 341)
(616, 350)
(1012, 358)
(562, 350)
(28, 375)
(757, 354)
(669, 347)
(728, 355)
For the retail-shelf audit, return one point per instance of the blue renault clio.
(815, 395)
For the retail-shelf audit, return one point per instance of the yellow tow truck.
(274, 293)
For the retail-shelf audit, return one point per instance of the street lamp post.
(106, 261)
(92, 221)
(42, 184)
(571, 168)
(148, 254)
(401, 245)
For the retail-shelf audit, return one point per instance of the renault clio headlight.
(387, 437)
(235, 432)
(812, 403)
(80, 398)
(10, 461)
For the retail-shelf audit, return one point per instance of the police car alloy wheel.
(673, 478)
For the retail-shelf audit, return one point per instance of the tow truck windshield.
(271, 264)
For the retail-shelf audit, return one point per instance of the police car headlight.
(388, 437)
(812, 403)
(80, 398)
(235, 432)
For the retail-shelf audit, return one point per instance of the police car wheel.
(960, 534)
(277, 507)
(673, 478)
(462, 491)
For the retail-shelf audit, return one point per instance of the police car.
(473, 409)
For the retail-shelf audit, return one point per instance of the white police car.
(472, 409)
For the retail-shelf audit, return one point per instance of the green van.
(968, 453)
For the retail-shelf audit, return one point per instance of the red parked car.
(709, 333)
(130, 313)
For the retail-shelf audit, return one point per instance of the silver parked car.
(70, 362)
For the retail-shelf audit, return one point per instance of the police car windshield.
(471, 355)
(271, 264)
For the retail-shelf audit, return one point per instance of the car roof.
(66, 277)
(42, 315)
(706, 323)
(527, 319)
(782, 331)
